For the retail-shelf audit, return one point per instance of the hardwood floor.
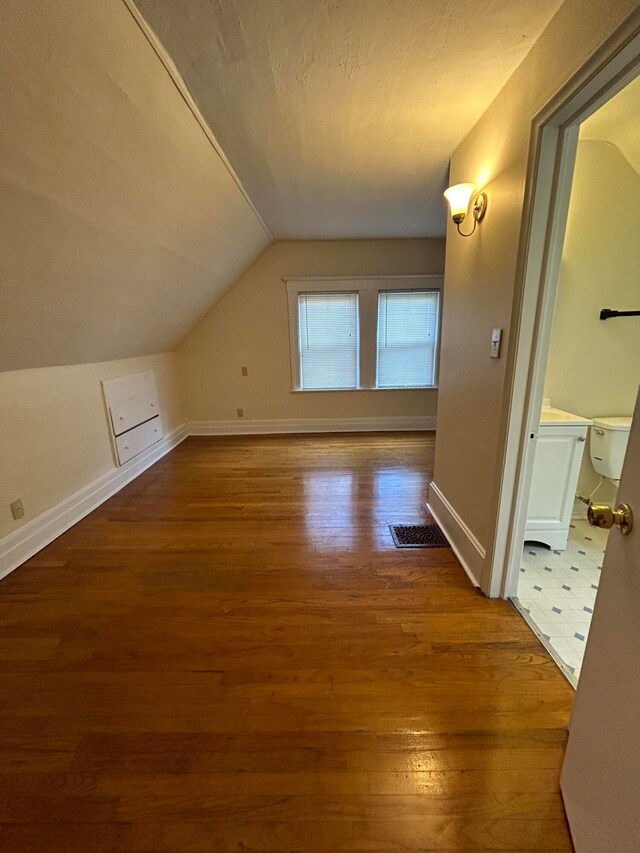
(230, 655)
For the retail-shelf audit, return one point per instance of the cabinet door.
(129, 413)
(555, 476)
(131, 443)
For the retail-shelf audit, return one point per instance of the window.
(407, 329)
(328, 340)
(350, 334)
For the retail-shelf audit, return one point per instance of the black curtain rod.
(610, 312)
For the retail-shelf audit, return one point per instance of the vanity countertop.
(549, 415)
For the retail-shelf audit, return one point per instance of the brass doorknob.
(601, 515)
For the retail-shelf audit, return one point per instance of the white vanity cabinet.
(559, 448)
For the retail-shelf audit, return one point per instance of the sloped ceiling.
(340, 115)
(618, 122)
(120, 223)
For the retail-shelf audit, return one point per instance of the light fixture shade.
(459, 197)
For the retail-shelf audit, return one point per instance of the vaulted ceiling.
(122, 221)
(340, 115)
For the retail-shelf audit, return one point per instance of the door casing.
(554, 140)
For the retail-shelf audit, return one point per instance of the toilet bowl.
(608, 445)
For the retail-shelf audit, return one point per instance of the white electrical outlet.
(245, 372)
(240, 413)
(17, 510)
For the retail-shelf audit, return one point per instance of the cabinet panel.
(555, 476)
(129, 413)
(551, 477)
(133, 414)
(129, 444)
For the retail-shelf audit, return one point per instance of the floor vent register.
(418, 536)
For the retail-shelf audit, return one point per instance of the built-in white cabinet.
(127, 414)
(135, 440)
(559, 448)
(133, 409)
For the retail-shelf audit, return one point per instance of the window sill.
(358, 390)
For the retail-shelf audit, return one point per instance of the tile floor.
(557, 591)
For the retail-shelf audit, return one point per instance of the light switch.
(496, 340)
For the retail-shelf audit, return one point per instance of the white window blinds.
(407, 333)
(328, 340)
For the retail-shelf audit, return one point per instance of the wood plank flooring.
(230, 655)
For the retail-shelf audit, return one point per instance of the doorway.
(581, 373)
(590, 384)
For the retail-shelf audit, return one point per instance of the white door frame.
(553, 148)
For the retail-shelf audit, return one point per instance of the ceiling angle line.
(182, 88)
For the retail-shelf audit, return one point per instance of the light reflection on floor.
(330, 498)
(346, 510)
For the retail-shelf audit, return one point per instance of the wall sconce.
(459, 197)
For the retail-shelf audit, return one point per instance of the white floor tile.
(569, 587)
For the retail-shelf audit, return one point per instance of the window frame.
(405, 344)
(368, 289)
(356, 348)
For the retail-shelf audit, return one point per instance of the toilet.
(608, 444)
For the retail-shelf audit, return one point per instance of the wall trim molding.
(400, 277)
(465, 544)
(182, 88)
(21, 544)
(306, 425)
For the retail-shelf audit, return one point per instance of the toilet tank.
(608, 445)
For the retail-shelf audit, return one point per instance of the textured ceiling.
(340, 115)
(121, 223)
(618, 122)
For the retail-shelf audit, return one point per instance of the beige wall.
(54, 435)
(119, 223)
(249, 326)
(481, 271)
(594, 365)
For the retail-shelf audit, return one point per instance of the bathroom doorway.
(591, 379)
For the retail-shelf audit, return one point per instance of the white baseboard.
(23, 543)
(465, 545)
(302, 425)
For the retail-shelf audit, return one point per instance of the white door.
(601, 772)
